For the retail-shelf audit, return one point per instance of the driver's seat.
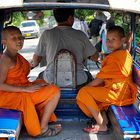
(65, 78)
(65, 69)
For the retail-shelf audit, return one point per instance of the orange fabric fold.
(31, 104)
(118, 89)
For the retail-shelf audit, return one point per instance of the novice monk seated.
(36, 100)
(112, 85)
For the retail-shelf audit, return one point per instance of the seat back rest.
(126, 119)
(65, 69)
(136, 75)
(65, 78)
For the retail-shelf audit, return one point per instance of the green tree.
(47, 13)
(17, 18)
(86, 14)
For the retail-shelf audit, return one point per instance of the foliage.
(118, 17)
(85, 14)
(138, 35)
(17, 18)
(89, 18)
(47, 13)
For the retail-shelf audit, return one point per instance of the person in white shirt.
(60, 37)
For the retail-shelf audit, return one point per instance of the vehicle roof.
(122, 5)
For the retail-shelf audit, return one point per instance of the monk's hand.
(90, 84)
(32, 65)
(33, 88)
(96, 82)
(42, 84)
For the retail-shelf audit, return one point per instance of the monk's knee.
(82, 93)
(25, 95)
(56, 88)
(58, 95)
(56, 91)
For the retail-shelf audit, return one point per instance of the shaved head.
(7, 30)
(119, 30)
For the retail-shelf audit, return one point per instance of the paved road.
(28, 51)
(30, 45)
(29, 48)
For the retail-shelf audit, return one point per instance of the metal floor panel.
(71, 131)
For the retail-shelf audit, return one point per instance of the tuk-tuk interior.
(67, 109)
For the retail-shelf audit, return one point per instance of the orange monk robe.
(29, 103)
(118, 89)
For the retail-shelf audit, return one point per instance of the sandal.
(55, 125)
(94, 130)
(91, 122)
(51, 131)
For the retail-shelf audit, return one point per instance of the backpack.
(95, 27)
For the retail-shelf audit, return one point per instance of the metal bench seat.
(126, 121)
(10, 123)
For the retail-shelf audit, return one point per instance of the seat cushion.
(10, 122)
(128, 118)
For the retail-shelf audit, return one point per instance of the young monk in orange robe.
(16, 92)
(112, 85)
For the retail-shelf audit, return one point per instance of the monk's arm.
(14, 88)
(95, 57)
(96, 82)
(5, 64)
(129, 41)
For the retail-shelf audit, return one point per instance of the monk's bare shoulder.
(5, 61)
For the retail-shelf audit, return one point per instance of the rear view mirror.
(36, 15)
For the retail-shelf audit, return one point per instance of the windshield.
(28, 24)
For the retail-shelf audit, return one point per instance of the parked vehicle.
(30, 29)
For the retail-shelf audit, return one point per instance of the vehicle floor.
(71, 131)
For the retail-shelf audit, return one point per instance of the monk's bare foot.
(96, 129)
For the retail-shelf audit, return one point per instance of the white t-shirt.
(64, 37)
